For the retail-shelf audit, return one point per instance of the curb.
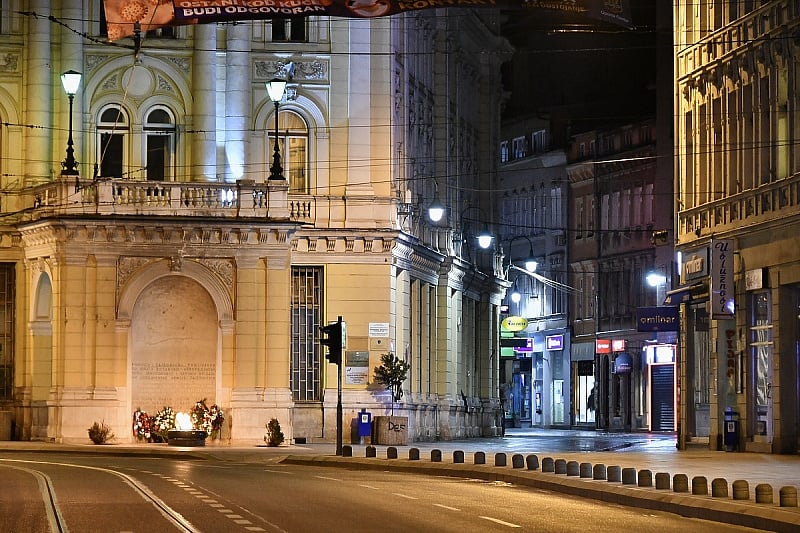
(639, 492)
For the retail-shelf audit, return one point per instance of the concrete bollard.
(644, 478)
(479, 458)
(413, 454)
(699, 486)
(680, 483)
(517, 461)
(614, 474)
(573, 469)
(532, 462)
(347, 451)
(586, 470)
(391, 452)
(436, 455)
(458, 456)
(741, 490)
(662, 481)
(561, 466)
(548, 465)
(719, 488)
(629, 476)
(763, 493)
(787, 496)
(599, 471)
(372, 451)
(500, 459)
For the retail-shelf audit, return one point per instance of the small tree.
(274, 435)
(391, 374)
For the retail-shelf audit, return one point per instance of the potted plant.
(391, 373)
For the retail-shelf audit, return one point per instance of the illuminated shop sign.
(623, 363)
(602, 346)
(662, 318)
(514, 323)
(554, 342)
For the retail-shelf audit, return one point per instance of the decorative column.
(204, 84)
(238, 102)
(39, 110)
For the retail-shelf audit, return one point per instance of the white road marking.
(446, 507)
(401, 495)
(278, 471)
(368, 487)
(497, 521)
(328, 478)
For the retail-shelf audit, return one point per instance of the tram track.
(53, 512)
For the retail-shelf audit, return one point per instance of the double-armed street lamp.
(70, 80)
(276, 88)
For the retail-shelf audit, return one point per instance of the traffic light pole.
(339, 403)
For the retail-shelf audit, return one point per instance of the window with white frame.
(520, 146)
(292, 29)
(159, 132)
(292, 133)
(112, 137)
(121, 154)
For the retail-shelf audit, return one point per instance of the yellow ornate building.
(738, 208)
(170, 269)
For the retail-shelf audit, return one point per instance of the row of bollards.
(787, 496)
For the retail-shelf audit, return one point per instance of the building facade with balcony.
(172, 270)
(738, 184)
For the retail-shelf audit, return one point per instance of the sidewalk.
(640, 451)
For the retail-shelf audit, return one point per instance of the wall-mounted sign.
(602, 346)
(618, 345)
(378, 329)
(754, 279)
(695, 265)
(554, 342)
(514, 323)
(662, 318)
(623, 363)
(356, 369)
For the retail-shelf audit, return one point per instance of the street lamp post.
(70, 80)
(276, 88)
(485, 237)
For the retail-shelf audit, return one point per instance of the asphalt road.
(81, 493)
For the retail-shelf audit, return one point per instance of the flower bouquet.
(162, 423)
(142, 425)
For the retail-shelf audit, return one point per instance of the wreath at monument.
(156, 428)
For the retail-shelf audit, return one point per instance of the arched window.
(159, 131)
(112, 138)
(292, 131)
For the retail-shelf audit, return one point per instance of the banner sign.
(122, 15)
(722, 279)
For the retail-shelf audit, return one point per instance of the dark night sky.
(582, 72)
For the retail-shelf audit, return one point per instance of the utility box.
(391, 430)
(731, 437)
(364, 424)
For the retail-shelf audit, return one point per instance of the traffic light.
(332, 338)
